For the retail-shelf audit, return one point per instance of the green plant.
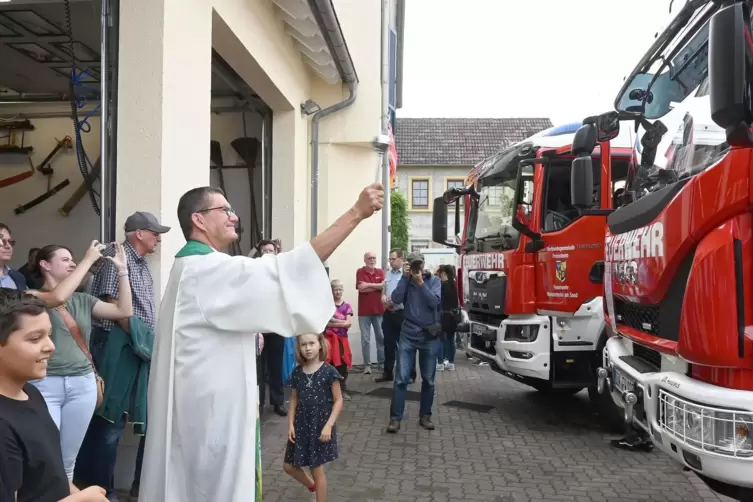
(399, 220)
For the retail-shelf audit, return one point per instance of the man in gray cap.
(421, 295)
(96, 460)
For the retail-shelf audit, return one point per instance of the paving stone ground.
(527, 448)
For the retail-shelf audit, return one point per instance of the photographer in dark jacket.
(448, 318)
(420, 294)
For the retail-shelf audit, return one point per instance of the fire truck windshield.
(495, 206)
(670, 88)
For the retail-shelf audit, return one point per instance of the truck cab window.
(558, 211)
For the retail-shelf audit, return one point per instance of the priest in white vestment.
(203, 443)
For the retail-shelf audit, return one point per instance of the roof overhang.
(301, 26)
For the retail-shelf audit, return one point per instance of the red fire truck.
(678, 282)
(532, 258)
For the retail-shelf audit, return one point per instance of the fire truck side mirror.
(439, 221)
(608, 126)
(729, 72)
(581, 174)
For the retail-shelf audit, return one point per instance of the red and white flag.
(393, 156)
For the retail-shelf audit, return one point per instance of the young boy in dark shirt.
(31, 461)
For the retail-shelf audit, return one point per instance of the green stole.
(196, 248)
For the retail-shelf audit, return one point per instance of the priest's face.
(218, 221)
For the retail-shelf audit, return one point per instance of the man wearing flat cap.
(420, 293)
(143, 232)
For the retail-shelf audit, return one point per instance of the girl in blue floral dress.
(315, 405)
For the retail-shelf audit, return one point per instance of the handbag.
(72, 326)
(433, 330)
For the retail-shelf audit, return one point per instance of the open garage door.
(57, 87)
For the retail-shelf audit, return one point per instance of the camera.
(415, 266)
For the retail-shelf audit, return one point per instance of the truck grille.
(649, 355)
(641, 317)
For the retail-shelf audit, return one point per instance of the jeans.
(427, 349)
(71, 402)
(96, 460)
(449, 348)
(366, 323)
(391, 324)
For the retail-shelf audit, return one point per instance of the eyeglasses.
(228, 210)
(7, 242)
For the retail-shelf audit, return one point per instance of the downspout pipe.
(326, 19)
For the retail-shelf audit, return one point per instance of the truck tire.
(546, 388)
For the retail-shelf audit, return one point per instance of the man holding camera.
(420, 294)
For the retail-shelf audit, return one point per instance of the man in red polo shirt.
(369, 283)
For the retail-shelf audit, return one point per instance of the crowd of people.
(84, 352)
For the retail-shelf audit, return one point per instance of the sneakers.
(367, 370)
(394, 426)
(346, 396)
(446, 366)
(630, 444)
(426, 423)
(383, 378)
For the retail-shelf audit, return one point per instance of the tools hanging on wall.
(215, 157)
(46, 170)
(247, 148)
(13, 126)
(82, 190)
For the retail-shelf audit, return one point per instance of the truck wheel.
(546, 388)
(609, 411)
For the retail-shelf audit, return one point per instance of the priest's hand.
(326, 436)
(370, 201)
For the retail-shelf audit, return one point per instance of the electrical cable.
(76, 81)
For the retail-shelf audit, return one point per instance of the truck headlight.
(721, 431)
(525, 333)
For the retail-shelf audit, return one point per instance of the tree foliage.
(399, 220)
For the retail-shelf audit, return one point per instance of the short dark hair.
(192, 202)
(449, 270)
(5, 227)
(397, 251)
(13, 305)
(266, 242)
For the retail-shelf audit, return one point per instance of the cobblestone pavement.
(526, 448)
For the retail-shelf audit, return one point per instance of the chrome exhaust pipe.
(601, 381)
(630, 400)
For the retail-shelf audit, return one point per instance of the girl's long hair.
(323, 349)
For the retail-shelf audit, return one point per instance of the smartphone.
(109, 250)
(415, 267)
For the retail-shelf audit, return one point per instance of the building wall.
(421, 218)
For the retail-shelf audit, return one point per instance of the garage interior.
(52, 165)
